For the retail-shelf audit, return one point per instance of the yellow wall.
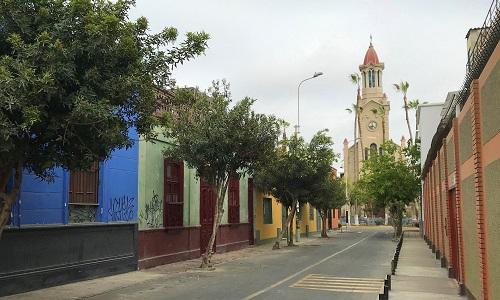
(304, 216)
(267, 231)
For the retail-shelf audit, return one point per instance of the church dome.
(371, 56)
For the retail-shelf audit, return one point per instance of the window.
(381, 151)
(373, 149)
(366, 153)
(83, 194)
(267, 210)
(173, 208)
(234, 200)
(311, 212)
(378, 77)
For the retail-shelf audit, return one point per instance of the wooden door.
(250, 212)
(452, 216)
(207, 210)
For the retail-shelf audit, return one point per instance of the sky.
(265, 48)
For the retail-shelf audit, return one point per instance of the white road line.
(303, 270)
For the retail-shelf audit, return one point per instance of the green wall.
(471, 255)
(490, 105)
(492, 198)
(465, 138)
(151, 189)
(450, 155)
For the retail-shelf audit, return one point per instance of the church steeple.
(371, 73)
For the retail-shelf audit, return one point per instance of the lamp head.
(316, 74)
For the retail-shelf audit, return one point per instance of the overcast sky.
(265, 48)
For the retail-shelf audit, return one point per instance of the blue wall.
(47, 203)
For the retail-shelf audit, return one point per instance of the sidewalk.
(419, 275)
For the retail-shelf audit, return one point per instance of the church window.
(378, 77)
(366, 153)
(381, 151)
(373, 149)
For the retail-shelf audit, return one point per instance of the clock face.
(372, 125)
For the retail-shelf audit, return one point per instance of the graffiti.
(122, 208)
(82, 213)
(152, 213)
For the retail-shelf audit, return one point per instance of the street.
(341, 267)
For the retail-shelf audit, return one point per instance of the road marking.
(303, 270)
(340, 284)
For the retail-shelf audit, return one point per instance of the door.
(452, 211)
(207, 210)
(250, 212)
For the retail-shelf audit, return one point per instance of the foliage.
(294, 170)
(75, 76)
(327, 194)
(392, 180)
(403, 87)
(218, 140)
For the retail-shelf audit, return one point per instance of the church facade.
(373, 109)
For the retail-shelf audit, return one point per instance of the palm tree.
(402, 87)
(413, 105)
(355, 79)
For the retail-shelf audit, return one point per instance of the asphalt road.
(347, 266)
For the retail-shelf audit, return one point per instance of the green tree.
(293, 171)
(402, 87)
(327, 194)
(218, 140)
(75, 76)
(392, 180)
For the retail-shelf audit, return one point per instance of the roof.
(371, 56)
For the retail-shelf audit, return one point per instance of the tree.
(355, 79)
(393, 182)
(75, 76)
(218, 140)
(402, 87)
(327, 194)
(293, 171)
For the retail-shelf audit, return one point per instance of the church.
(373, 110)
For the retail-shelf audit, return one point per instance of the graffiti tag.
(122, 208)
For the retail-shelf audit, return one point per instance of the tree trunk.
(7, 199)
(396, 212)
(408, 119)
(290, 236)
(323, 225)
(288, 221)
(219, 212)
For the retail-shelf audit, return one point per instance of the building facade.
(176, 210)
(373, 109)
(461, 193)
(80, 226)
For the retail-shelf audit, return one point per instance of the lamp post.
(316, 74)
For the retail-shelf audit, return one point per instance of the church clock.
(372, 125)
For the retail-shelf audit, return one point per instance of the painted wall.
(151, 183)
(473, 162)
(267, 231)
(490, 112)
(43, 202)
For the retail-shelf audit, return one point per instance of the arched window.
(373, 149)
(378, 77)
(381, 151)
(372, 78)
(366, 153)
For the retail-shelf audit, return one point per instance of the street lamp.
(316, 74)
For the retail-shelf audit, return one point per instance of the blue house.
(82, 225)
